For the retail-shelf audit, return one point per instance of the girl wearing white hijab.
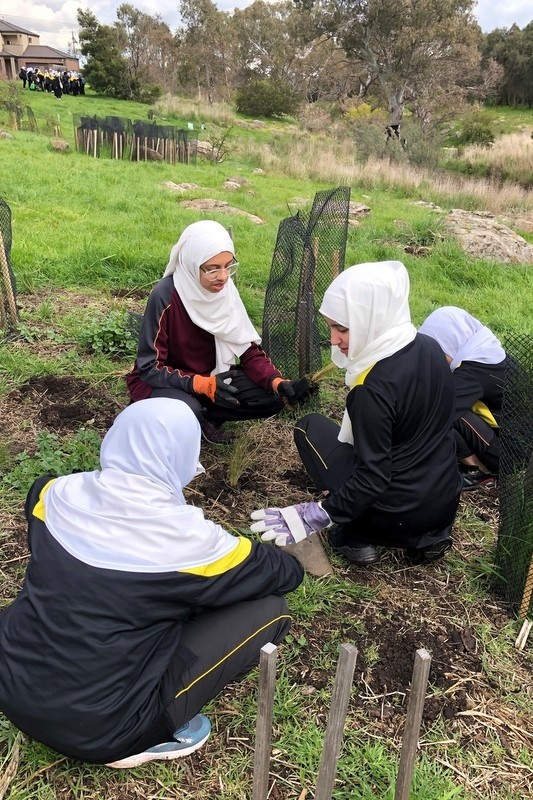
(135, 609)
(389, 472)
(197, 343)
(477, 361)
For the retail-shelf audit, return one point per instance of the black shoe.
(477, 480)
(214, 435)
(362, 556)
(426, 555)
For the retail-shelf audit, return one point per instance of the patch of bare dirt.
(64, 404)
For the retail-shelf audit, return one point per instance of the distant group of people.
(139, 608)
(53, 80)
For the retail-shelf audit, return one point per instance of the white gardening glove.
(291, 524)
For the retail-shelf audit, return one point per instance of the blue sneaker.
(186, 740)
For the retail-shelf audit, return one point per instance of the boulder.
(221, 206)
(482, 236)
(179, 187)
(59, 145)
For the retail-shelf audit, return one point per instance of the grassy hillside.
(90, 236)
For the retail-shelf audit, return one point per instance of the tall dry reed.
(335, 161)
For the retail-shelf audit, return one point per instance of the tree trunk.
(396, 106)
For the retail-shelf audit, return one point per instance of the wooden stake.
(336, 262)
(11, 306)
(339, 706)
(412, 724)
(523, 635)
(528, 591)
(263, 730)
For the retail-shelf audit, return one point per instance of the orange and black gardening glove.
(217, 388)
(293, 391)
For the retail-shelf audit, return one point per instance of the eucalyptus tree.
(106, 68)
(147, 45)
(512, 48)
(403, 47)
(278, 41)
(206, 47)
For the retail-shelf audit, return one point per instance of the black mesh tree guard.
(159, 142)
(86, 135)
(514, 550)
(116, 135)
(31, 122)
(8, 306)
(141, 140)
(309, 253)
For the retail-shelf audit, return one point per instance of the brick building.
(21, 48)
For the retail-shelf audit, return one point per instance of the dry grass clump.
(512, 150)
(335, 161)
(195, 110)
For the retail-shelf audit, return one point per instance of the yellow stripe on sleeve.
(362, 377)
(485, 413)
(38, 509)
(224, 564)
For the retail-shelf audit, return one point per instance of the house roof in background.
(43, 51)
(8, 27)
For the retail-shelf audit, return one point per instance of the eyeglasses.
(213, 274)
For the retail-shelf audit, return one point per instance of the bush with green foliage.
(55, 455)
(262, 98)
(114, 335)
(476, 128)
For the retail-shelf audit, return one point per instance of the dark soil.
(63, 403)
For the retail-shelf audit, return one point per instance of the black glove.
(297, 391)
(215, 388)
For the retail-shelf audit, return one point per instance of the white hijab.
(131, 515)
(372, 301)
(220, 313)
(462, 337)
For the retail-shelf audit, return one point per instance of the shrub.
(363, 112)
(315, 118)
(476, 128)
(54, 455)
(262, 98)
(112, 335)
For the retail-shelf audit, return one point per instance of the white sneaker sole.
(143, 758)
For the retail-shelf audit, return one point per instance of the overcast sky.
(56, 22)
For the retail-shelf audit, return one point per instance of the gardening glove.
(291, 524)
(216, 389)
(293, 391)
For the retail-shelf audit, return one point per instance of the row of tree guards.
(120, 138)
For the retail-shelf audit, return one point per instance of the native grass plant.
(324, 159)
(242, 456)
